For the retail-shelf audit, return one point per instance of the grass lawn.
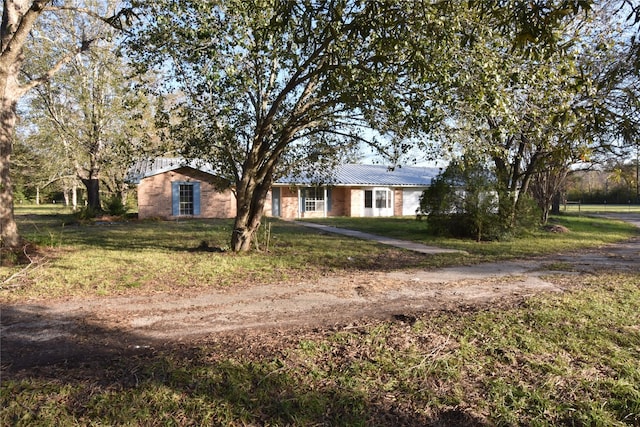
(127, 257)
(584, 232)
(569, 359)
(556, 359)
(123, 257)
(603, 208)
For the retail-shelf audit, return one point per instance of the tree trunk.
(124, 195)
(545, 215)
(9, 236)
(74, 196)
(251, 197)
(246, 223)
(18, 17)
(244, 228)
(555, 204)
(93, 193)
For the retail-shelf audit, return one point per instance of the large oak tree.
(267, 85)
(99, 119)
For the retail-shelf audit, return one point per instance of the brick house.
(171, 188)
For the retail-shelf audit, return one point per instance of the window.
(368, 199)
(314, 199)
(383, 199)
(377, 198)
(186, 199)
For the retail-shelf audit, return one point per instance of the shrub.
(114, 206)
(463, 202)
(86, 213)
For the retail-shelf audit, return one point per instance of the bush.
(529, 213)
(86, 213)
(463, 202)
(115, 207)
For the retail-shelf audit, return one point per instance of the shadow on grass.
(288, 241)
(65, 370)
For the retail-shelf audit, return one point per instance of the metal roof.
(150, 167)
(369, 175)
(343, 175)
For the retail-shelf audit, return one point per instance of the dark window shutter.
(196, 198)
(175, 198)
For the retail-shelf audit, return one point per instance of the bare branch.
(48, 75)
(33, 264)
(119, 20)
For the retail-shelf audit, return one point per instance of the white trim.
(326, 201)
(374, 210)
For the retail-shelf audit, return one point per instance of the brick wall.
(289, 206)
(340, 201)
(289, 202)
(154, 195)
(397, 201)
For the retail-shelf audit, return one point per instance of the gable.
(147, 168)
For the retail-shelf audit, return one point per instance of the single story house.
(172, 188)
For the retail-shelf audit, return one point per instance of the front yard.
(568, 358)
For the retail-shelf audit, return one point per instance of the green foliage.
(86, 213)
(114, 206)
(265, 88)
(539, 111)
(93, 118)
(533, 30)
(528, 214)
(462, 202)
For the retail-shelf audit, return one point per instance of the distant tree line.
(617, 184)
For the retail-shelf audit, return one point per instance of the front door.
(378, 202)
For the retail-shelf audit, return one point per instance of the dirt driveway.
(80, 330)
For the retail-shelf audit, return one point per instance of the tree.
(528, 113)
(33, 172)
(608, 101)
(18, 20)
(267, 84)
(462, 202)
(98, 117)
(548, 183)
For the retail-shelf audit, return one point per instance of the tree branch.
(126, 14)
(33, 264)
(53, 70)
(12, 48)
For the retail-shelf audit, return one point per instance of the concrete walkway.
(404, 244)
(631, 218)
(425, 249)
